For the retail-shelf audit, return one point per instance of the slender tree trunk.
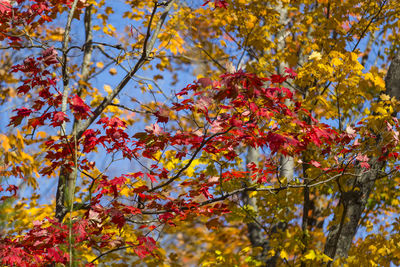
(257, 235)
(353, 201)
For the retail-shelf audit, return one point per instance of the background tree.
(282, 142)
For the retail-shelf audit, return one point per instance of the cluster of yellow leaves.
(17, 217)
(193, 243)
(15, 161)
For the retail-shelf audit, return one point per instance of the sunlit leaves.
(268, 75)
(79, 108)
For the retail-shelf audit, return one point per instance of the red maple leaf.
(21, 113)
(162, 115)
(204, 191)
(50, 56)
(315, 163)
(117, 217)
(79, 229)
(90, 140)
(5, 6)
(79, 108)
(152, 178)
(205, 82)
(145, 247)
(58, 118)
(291, 72)
(13, 189)
(278, 78)
(57, 254)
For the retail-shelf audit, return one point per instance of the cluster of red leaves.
(45, 109)
(243, 104)
(17, 14)
(39, 246)
(47, 100)
(38, 80)
(61, 152)
(257, 104)
(47, 241)
(5, 6)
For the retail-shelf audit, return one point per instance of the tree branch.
(147, 48)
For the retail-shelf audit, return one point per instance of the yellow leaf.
(336, 62)
(381, 251)
(91, 2)
(20, 143)
(107, 88)
(326, 258)
(26, 156)
(41, 134)
(252, 194)
(384, 97)
(284, 254)
(372, 263)
(125, 192)
(100, 65)
(191, 169)
(310, 255)
(271, 252)
(381, 110)
(246, 249)
(4, 142)
(111, 27)
(315, 55)
(379, 82)
(354, 56)
(113, 71)
(109, 10)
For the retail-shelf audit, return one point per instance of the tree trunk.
(353, 202)
(258, 236)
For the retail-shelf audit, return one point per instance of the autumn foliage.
(281, 140)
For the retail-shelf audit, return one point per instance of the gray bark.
(393, 77)
(353, 202)
(65, 177)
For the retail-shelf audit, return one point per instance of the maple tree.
(158, 132)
